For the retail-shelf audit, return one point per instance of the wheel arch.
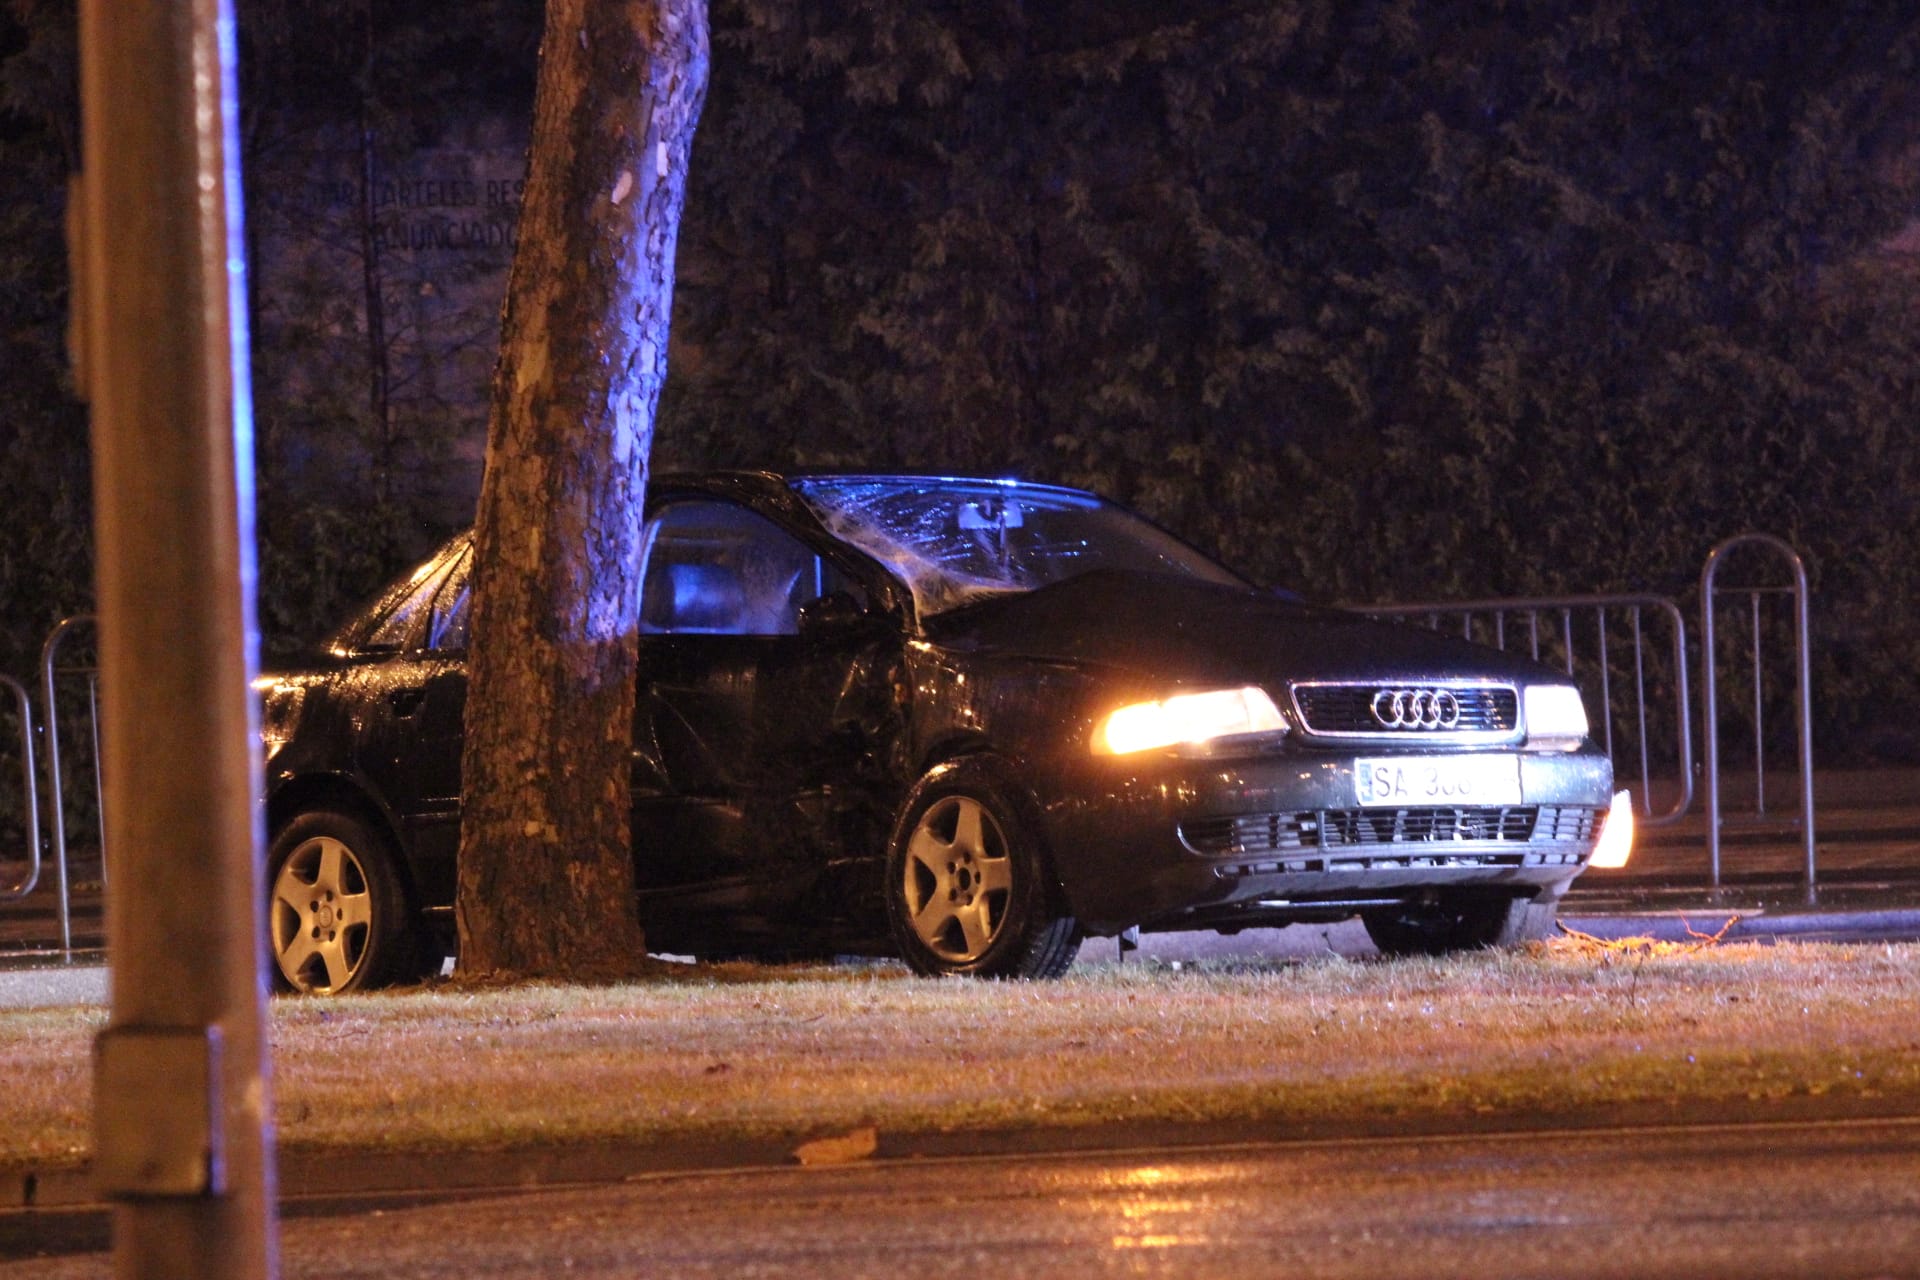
(340, 794)
(948, 748)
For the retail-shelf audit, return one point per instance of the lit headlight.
(1188, 719)
(279, 710)
(1556, 718)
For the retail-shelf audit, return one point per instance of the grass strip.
(738, 1051)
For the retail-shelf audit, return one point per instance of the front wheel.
(337, 917)
(1459, 922)
(968, 888)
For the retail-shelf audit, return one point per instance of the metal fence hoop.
(28, 791)
(56, 801)
(1804, 693)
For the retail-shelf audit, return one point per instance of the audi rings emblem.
(1417, 708)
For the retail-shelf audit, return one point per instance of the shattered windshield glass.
(958, 541)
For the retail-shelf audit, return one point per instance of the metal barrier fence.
(1568, 620)
(29, 798)
(1496, 622)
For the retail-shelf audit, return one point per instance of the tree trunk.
(546, 884)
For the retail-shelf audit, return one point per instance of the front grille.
(1348, 708)
(1321, 840)
(1420, 826)
(1339, 828)
(1568, 823)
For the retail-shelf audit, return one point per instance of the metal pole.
(1759, 723)
(56, 784)
(99, 784)
(1803, 689)
(1710, 711)
(1606, 683)
(182, 1143)
(1640, 706)
(1683, 703)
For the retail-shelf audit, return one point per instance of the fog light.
(1616, 834)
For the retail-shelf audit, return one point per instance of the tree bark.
(546, 885)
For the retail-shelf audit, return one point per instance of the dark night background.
(1375, 300)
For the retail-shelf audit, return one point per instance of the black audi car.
(966, 722)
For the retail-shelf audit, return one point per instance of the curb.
(359, 1176)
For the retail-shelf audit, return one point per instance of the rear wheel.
(337, 917)
(968, 887)
(1459, 922)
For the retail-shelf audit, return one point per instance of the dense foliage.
(44, 480)
(1383, 300)
(1375, 299)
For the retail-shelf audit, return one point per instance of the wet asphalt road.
(1802, 1200)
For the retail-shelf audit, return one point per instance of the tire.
(1460, 922)
(968, 888)
(337, 914)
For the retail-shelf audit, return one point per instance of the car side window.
(713, 568)
(447, 622)
(398, 628)
(431, 611)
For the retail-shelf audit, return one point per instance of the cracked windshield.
(959, 541)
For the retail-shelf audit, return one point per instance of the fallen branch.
(1642, 945)
(1708, 939)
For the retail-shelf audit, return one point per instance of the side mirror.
(835, 611)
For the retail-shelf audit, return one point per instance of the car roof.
(763, 479)
(854, 473)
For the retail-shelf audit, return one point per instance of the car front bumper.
(1201, 843)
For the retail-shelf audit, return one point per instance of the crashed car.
(966, 722)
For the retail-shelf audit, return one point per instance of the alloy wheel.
(321, 916)
(958, 879)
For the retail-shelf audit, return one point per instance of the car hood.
(1186, 632)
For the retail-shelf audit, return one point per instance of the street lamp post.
(181, 1126)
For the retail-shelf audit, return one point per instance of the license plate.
(1441, 780)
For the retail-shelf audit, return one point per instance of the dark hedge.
(1375, 300)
